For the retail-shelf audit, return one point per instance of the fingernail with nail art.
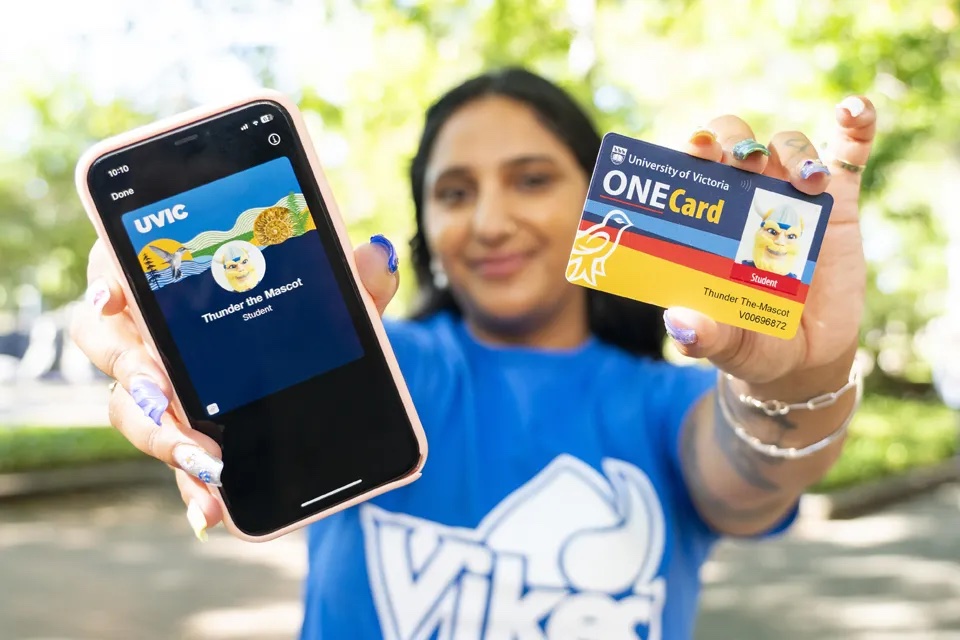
(680, 334)
(812, 167)
(98, 294)
(703, 136)
(149, 397)
(198, 521)
(393, 261)
(743, 149)
(854, 105)
(199, 463)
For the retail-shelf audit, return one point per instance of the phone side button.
(330, 493)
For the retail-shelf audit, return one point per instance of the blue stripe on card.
(694, 238)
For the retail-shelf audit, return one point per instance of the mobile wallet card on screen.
(663, 227)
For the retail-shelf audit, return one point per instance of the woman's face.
(503, 198)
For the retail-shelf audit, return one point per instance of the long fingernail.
(703, 136)
(198, 521)
(743, 149)
(199, 463)
(392, 260)
(680, 334)
(812, 167)
(854, 105)
(149, 397)
(98, 294)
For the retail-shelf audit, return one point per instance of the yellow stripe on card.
(640, 276)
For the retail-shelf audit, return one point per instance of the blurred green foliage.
(890, 436)
(33, 448)
(649, 68)
(44, 235)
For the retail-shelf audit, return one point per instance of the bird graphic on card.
(593, 246)
(175, 259)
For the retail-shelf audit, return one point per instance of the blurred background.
(876, 554)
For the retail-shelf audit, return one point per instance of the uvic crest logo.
(618, 154)
(569, 555)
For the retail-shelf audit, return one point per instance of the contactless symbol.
(618, 154)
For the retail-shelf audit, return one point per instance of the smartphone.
(240, 275)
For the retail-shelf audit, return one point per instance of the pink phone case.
(186, 118)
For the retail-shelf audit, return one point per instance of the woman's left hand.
(831, 317)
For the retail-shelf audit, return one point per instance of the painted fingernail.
(812, 167)
(149, 397)
(392, 260)
(198, 463)
(703, 136)
(680, 334)
(198, 521)
(743, 149)
(854, 105)
(98, 294)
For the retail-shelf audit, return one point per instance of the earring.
(440, 280)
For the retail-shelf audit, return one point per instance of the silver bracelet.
(777, 408)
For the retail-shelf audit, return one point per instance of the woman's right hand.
(104, 330)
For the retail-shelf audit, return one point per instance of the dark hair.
(632, 326)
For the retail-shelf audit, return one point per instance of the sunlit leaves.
(366, 71)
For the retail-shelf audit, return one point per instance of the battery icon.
(265, 119)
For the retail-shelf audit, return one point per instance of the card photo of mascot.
(777, 242)
(238, 266)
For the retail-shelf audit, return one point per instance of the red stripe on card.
(634, 205)
(704, 262)
(773, 281)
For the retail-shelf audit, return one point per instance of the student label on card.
(669, 229)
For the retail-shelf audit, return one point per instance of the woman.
(576, 481)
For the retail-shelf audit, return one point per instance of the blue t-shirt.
(551, 504)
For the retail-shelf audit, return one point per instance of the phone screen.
(229, 249)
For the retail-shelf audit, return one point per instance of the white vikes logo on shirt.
(570, 555)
